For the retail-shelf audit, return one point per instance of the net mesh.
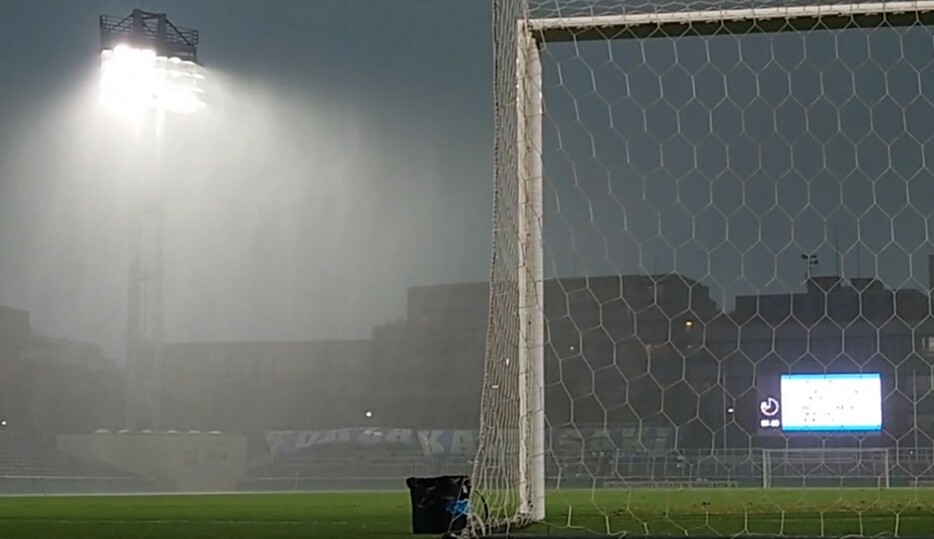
(825, 468)
(496, 468)
(724, 202)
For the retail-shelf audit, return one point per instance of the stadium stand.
(347, 466)
(30, 463)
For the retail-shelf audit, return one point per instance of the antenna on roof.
(836, 250)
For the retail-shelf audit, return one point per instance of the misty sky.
(347, 154)
(357, 163)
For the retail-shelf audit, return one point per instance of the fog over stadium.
(662, 265)
(321, 162)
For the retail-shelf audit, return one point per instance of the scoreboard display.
(821, 403)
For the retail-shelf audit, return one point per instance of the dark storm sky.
(726, 159)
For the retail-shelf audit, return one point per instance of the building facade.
(834, 326)
(54, 385)
(253, 387)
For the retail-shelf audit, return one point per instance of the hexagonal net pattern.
(712, 269)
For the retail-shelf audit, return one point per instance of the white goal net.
(825, 468)
(711, 266)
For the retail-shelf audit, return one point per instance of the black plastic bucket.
(439, 504)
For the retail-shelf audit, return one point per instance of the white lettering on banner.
(399, 436)
(430, 440)
(306, 438)
(464, 442)
(281, 442)
(289, 442)
(369, 437)
(447, 442)
(335, 436)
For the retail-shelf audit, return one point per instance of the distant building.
(600, 335)
(14, 333)
(646, 351)
(430, 366)
(73, 387)
(50, 384)
(258, 386)
(617, 348)
(15, 373)
(834, 326)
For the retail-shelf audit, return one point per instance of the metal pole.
(158, 276)
(914, 407)
(723, 410)
(145, 280)
(134, 282)
(766, 464)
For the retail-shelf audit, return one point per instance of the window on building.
(927, 345)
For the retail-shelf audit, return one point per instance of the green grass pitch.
(905, 512)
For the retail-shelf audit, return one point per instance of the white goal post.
(530, 274)
(517, 320)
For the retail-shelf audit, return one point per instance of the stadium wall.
(187, 462)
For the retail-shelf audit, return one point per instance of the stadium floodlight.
(147, 63)
(149, 68)
(137, 79)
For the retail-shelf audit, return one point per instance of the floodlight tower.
(149, 68)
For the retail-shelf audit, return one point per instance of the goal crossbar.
(735, 20)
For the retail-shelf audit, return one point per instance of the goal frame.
(532, 34)
(884, 480)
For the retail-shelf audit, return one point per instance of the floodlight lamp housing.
(149, 31)
(148, 63)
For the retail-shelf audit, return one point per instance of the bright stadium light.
(148, 63)
(135, 79)
(149, 69)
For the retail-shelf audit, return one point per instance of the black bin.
(439, 504)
